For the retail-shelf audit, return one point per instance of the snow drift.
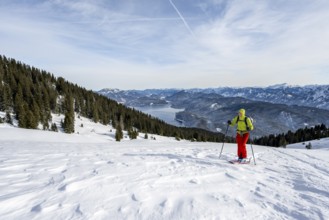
(48, 175)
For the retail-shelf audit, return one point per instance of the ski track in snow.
(165, 179)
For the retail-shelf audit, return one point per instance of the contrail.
(181, 16)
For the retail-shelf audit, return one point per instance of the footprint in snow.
(36, 208)
(63, 188)
(78, 211)
(239, 203)
(230, 176)
(194, 181)
(133, 197)
(95, 172)
(163, 203)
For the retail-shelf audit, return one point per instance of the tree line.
(31, 95)
(301, 135)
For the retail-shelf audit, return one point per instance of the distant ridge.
(277, 109)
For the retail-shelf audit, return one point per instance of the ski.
(239, 162)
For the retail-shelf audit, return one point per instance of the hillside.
(31, 96)
(53, 175)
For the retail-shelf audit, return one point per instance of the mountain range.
(274, 109)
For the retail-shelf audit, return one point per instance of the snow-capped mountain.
(276, 109)
(212, 111)
(139, 98)
(312, 95)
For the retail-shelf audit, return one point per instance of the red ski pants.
(242, 140)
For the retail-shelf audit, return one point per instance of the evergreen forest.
(301, 135)
(31, 95)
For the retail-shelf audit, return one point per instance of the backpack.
(245, 121)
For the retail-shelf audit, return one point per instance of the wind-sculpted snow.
(51, 178)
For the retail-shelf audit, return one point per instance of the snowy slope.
(48, 175)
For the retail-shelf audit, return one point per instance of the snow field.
(48, 175)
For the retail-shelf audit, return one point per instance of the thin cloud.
(234, 42)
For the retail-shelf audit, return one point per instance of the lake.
(163, 112)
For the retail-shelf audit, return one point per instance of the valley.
(275, 109)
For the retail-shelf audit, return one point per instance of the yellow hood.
(243, 112)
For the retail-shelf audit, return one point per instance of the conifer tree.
(118, 133)
(132, 133)
(8, 118)
(35, 110)
(69, 115)
(54, 127)
(18, 108)
(30, 120)
(95, 114)
(22, 123)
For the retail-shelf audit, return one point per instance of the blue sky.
(139, 44)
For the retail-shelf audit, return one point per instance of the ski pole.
(223, 141)
(252, 150)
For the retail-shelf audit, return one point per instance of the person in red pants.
(244, 125)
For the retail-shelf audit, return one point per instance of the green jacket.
(241, 124)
